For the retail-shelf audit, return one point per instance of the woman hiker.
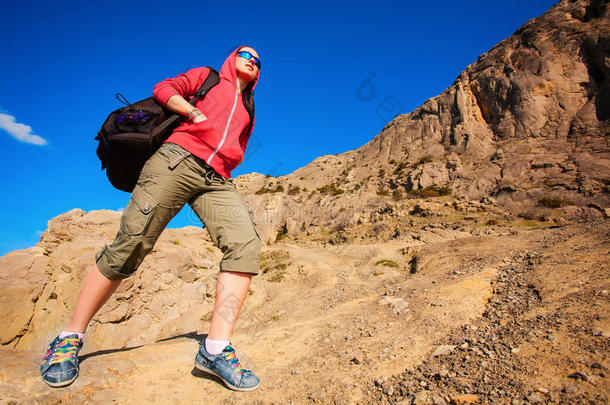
(193, 165)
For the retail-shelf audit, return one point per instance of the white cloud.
(19, 131)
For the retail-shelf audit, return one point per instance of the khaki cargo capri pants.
(171, 178)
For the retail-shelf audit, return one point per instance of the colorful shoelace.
(229, 354)
(64, 350)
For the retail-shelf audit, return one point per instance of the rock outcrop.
(40, 284)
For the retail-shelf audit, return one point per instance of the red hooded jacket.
(221, 139)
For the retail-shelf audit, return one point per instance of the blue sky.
(65, 60)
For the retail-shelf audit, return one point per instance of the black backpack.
(131, 134)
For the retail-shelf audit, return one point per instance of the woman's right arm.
(171, 93)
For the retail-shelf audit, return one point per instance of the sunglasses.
(247, 55)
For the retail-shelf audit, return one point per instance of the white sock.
(215, 346)
(65, 333)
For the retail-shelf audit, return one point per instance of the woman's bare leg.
(231, 291)
(96, 291)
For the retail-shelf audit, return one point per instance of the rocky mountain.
(458, 257)
(529, 120)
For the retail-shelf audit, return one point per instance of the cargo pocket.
(139, 211)
(174, 154)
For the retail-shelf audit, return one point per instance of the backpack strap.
(212, 80)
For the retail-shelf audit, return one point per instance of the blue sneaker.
(59, 367)
(227, 367)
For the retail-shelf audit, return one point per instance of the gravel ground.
(526, 348)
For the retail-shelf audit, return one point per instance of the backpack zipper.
(224, 136)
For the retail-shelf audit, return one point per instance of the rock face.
(40, 283)
(530, 115)
(529, 119)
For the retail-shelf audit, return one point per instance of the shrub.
(401, 166)
(392, 162)
(262, 190)
(277, 277)
(338, 191)
(278, 189)
(431, 191)
(341, 224)
(397, 194)
(382, 191)
(274, 263)
(387, 263)
(273, 260)
(294, 190)
(422, 161)
(418, 210)
(529, 214)
(553, 202)
(282, 231)
(414, 264)
(330, 189)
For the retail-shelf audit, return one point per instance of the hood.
(228, 71)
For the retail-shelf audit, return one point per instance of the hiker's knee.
(243, 255)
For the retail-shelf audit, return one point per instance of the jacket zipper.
(224, 136)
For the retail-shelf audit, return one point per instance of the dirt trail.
(544, 336)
